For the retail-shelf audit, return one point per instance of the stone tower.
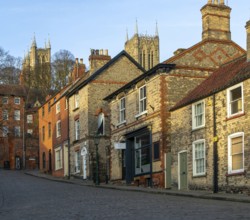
(216, 20)
(144, 48)
(36, 68)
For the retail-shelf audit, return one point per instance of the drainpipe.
(215, 150)
(68, 141)
(24, 150)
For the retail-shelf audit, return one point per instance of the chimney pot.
(76, 60)
(81, 61)
(106, 52)
(101, 52)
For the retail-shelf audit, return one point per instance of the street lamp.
(96, 141)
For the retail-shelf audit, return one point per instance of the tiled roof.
(227, 75)
(16, 90)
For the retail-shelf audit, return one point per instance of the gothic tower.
(216, 20)
(36, 69)
(144, 48)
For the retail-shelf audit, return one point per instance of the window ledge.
(235, 116)
(199, 175)
(198, 128)
(75, 109)
(141, 114)
(236, 173)
(121, 123)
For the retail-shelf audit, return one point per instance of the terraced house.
(89, 113)
(140, 116)
(210, 131)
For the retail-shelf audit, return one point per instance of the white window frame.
(5, 100)
(230, 165)
(58, 128)
(5, 115)
(195, 143)
(30, 131)
(58, 107)
(229, 104)
(5, 130)
(77, 162)
(17, 115)
(122, 110)
(58, 158)
(77, 129)
(29, 119)
(142, 100)
(194, 115)
(101, 119)
(18, 102)
(76, 100)
(17, 131)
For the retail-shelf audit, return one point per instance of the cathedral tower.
(144, 48)
(216, 20)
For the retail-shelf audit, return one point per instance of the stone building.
(89, 114)
(18, 145)
(144, 49)
(36, 69)
(192, 66)
(210, 130)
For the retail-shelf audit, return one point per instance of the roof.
(200, 44)
(226, 76)
(12, 89)
(161, 66)
(81, 83)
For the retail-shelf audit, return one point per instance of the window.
(49, 107)
(17, 115)
(58, 107)
(5, 100)
(5, 115)
(142, 154)
(5, 131)
(156, 151)
(77, 161)
(235, 100)
(43, 133)
(29, 119)
(76, 100)
(199, 158)
(17, 131)
(122, 117)
(43, 111)
(49, 129)
(58, 158)
(77, 129)
(236, 153)
(30, 131)
(198, 115)
(100, 124)
(58, 128)
(17, 100)
(142, 100)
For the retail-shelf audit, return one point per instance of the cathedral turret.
(216, 20)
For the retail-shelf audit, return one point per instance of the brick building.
(210, 130)
(18, 145)
(89, 113)
(192, 66)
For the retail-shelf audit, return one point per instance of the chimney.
(248, 40)
(97, 59)
(76, 60)
(81, 61)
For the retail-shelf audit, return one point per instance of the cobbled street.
(27, 197)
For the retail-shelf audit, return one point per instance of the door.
(66, 161)
(50, 161)
(123, 165)
(182, 170)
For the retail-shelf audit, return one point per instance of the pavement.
(201, 194)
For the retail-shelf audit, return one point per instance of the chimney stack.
(97, 59)
(248, 40)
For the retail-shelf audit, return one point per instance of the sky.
(81, 25)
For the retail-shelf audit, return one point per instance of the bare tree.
(62, 66)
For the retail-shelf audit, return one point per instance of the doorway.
(182, 165)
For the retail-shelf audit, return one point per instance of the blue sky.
(79, 25)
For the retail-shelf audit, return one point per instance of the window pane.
(237, 162)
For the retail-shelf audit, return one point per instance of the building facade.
(192, 66)
(209, 134)
(89, 115)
